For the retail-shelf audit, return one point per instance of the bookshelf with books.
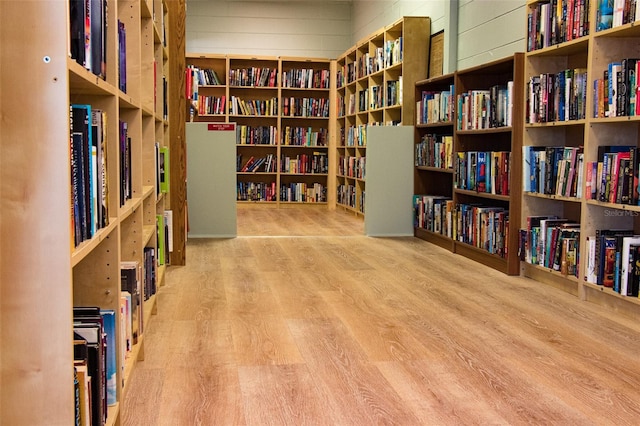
(433, 175)
(371, 92)
(488, 151)
(206, 88)
(100, 221)
(467, 161)
(282, 107)
(305, 91)
(601, 127)
(254, 105)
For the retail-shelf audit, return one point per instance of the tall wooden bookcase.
(293, 132)
(43, 275)
(589, 49)
(473, 213)
(375, 86)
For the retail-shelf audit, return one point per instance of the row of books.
(615, 94)
(306, 78)
(376, 97)
(483, 171)
(485, 109)
(163, 236)
(212, 105)
(340, 106)
(316, 163)
(265, 164)
(89, 185)
(203, 76)
(613, 260)
(303, 192)
(353, 167)
(556, 21)
(553, 170)
(346, 74)
(256, 135)
(484, 227)
(254, 107)
(435, 106)
(125, 172)
(614, 13)
(122, 57)
(305, 136)
(351, 105)
(191, 82)
(346, 195)
(256, 191)
(253, 77)
(88, 35)
(162, 168)
(435, 151)
(151, 259)
(551, 242)
(614, 177)
(433, 213)
(363, 100)
(557, 97)
(305, 107)
(394, 92)
(370, 63)
(355, 136)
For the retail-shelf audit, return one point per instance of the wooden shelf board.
(435, 125)
(435, 169)
(484, 257)
(486, 195)
(86, 247)
(434, 238)
(550, 277)
(552, 197)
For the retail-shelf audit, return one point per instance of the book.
(130, 283)
(164, 169)
(627, 263)
(109, 329)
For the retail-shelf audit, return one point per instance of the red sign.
(217, 127)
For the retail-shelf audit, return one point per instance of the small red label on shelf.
(216, 127)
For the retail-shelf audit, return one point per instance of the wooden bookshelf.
(433, 171)
(366, 75)
(460, 215)
(591, 49)
(296, 132)
(37, 361)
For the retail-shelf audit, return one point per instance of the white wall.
(490, 29)
(370, 16)
(486, 29)
(285, 28)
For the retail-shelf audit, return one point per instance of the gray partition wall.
(389, 181)
(211, 180)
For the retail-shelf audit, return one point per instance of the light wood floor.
(323, 326)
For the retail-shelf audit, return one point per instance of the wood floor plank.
(360, 393)
(426, 386)
(284, 395)
(208, 394)
(263, 340)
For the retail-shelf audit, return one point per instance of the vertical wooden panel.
(177, 119)
(35, 245)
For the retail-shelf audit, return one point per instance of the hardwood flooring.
(324, 326)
